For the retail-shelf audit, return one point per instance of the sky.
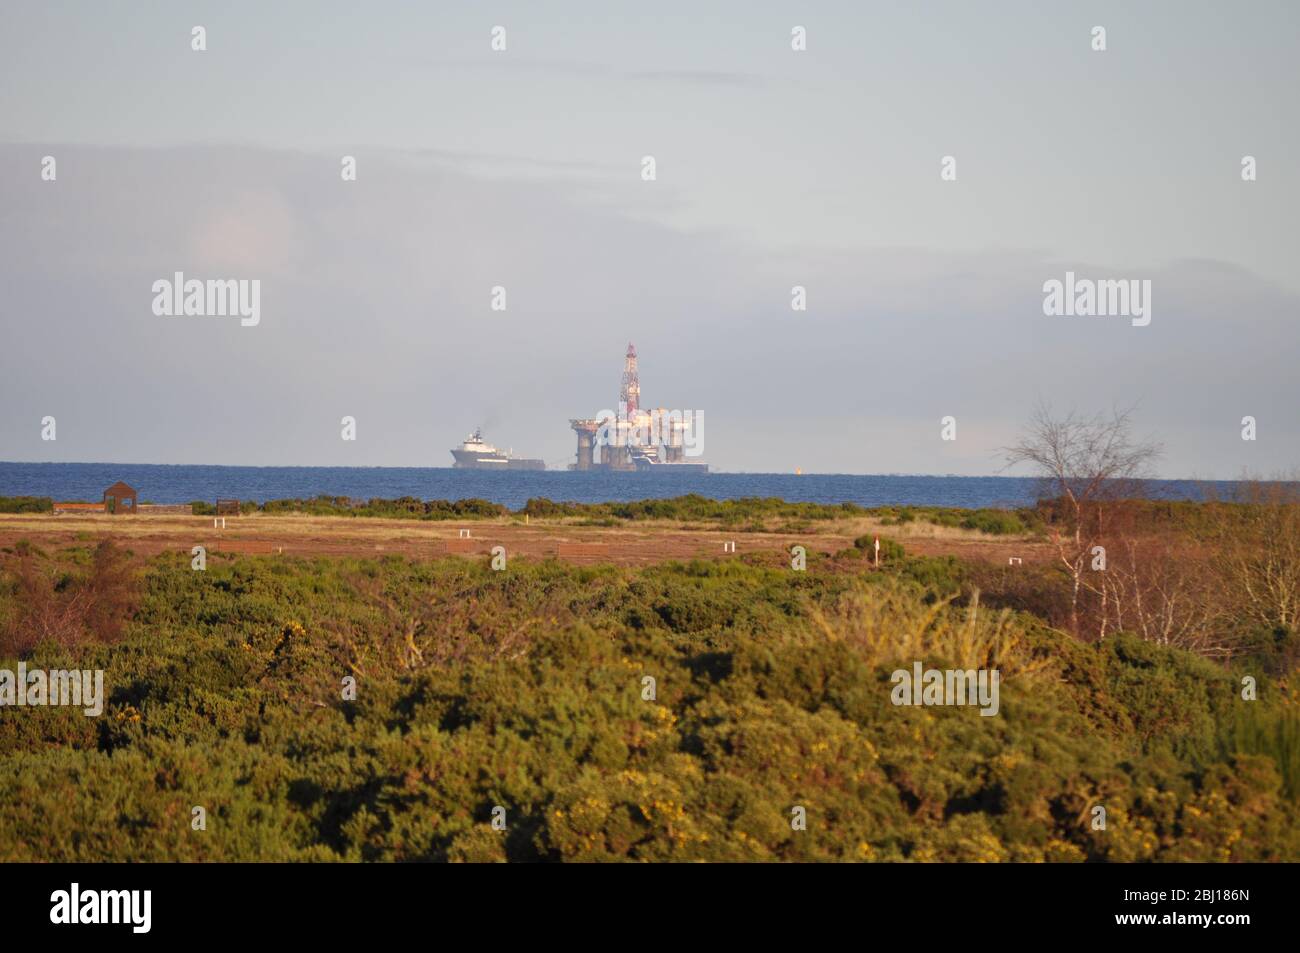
(522, 168)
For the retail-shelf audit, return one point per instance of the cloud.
(375, 299)
(703, 77)
(606, 71)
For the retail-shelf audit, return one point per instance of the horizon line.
(711, 472)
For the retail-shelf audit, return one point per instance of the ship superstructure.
(477, 454)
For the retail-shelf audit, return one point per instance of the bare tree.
(1257, 540)
(1162, 589)
(1085, 463)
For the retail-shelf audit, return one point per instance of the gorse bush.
(694, 508)
(26, 504)
(752, 514)
(1270, 731)
(407, 507)
(526, 690)
(890, 551)
(995, 522)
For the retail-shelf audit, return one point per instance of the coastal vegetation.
(408, 707)
(405, 508)
(522, 697)
(691, 509)
(26, 504)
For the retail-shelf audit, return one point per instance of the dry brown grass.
(888, 624)
(636, 543)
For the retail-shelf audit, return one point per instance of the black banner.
(139, 903)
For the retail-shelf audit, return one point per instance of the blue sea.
(183, 484)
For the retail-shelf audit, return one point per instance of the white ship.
(476, 454)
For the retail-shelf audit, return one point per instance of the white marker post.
(877, 550)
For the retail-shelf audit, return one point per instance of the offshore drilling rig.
(635, 439)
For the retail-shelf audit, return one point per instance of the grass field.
(641, 542)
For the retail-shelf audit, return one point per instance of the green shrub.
(942, 575)
(995, 522)
(890, 550)
(526, 690)
(26, 504)
(1272, 732)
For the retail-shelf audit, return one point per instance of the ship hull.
(493, 461)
